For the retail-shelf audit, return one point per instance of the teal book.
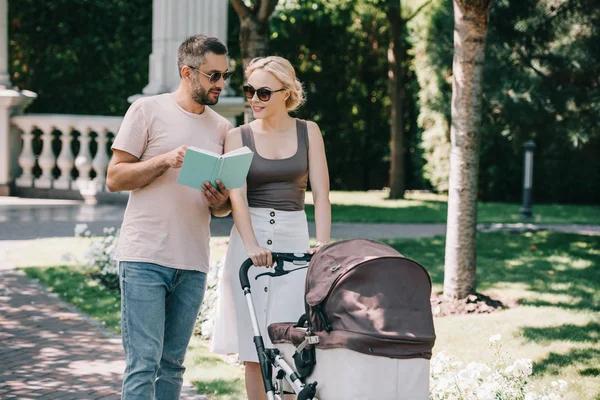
(201, 165)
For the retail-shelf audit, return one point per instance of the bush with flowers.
(500, 380)
(98, 262)
(98, 259)
(208, 310)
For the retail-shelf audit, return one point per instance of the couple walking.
(163, 249)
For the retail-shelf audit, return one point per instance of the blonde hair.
(283, 70)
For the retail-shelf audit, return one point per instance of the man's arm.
(127, 172)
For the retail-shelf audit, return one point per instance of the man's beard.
(200, 96)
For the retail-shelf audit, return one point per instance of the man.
(163, 249)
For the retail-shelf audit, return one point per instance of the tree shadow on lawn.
(561, 267)
(585, 360)
(589, 333)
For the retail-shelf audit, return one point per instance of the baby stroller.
(368, 329)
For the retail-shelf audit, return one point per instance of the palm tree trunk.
(470, 30)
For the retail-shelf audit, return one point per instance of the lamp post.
(529, 147)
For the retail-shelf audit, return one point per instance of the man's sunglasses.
(215, 76)
(263, 93)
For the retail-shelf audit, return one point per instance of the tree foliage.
(541, 82)
(80, 56)
(339, 49)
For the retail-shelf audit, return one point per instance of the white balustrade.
(83, 161)
(47, 159)
(26, 161)
(65, 160)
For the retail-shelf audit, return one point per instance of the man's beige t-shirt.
(167, 223)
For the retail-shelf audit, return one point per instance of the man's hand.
(174, 158)
(214, 198)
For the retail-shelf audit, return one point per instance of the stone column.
(11, 102)
(172, 22)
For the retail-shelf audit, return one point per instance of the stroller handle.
(279, 258)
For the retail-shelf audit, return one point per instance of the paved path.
(24, 219)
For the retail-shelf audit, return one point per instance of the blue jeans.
(159, 307)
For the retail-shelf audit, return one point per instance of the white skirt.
(279, 299)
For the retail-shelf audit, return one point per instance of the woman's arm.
(241, 214)
(318, 174)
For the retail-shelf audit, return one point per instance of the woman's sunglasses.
(215, 76)
(263, 93)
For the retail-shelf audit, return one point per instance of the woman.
(269, 211)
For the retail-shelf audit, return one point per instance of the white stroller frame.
(270, 359)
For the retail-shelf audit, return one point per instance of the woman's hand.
(260, 256)
(317, 247)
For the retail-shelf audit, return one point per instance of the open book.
(201, 165)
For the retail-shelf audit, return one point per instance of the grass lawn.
(372, 206)
(555, 276)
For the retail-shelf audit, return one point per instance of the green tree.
(540, 82)
(80, 57)
(471, 19)
(397, 57)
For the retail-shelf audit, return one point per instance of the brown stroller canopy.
(375, 300)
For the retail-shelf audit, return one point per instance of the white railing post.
(26, 158)
(65, 160)
(46, 159)
(100, 162)
(83, 161)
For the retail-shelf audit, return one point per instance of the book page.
(235, 169)
(199, 150)
(236, 152)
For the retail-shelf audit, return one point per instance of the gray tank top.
(278, 184)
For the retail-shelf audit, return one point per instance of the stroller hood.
(335, 260)
(375, 300)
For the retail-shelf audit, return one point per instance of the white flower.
(495, 338)
(480, 381)
(485, 394)
(524, 367)
(563, 385)
(80, 229)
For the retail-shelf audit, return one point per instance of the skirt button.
(272, 221)
(272, 213)
(269, 241)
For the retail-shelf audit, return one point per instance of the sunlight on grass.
(211, 375)
(561, 343)
(421, 207)
(47, 252)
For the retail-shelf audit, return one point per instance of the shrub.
(500, 380)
